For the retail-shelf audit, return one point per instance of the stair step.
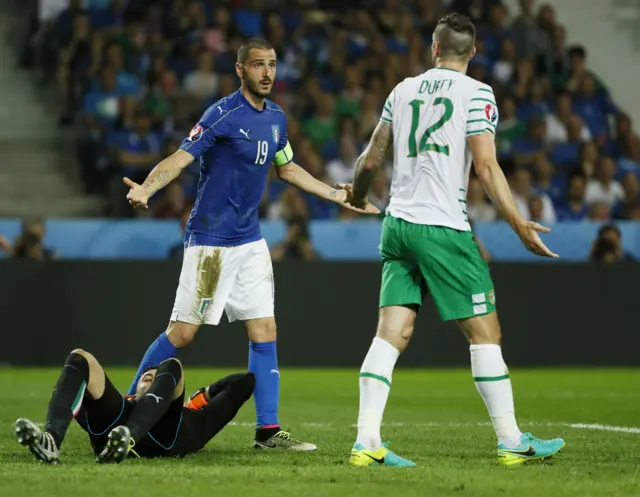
(58, 208)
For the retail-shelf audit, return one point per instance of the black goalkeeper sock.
(264, 434)
(156, 400)
(67, 396)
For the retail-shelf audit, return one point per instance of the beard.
(256, 89)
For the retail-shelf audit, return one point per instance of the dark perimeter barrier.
(551, 315)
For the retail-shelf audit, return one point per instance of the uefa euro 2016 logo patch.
(196, 133)
(492, 112)
(276, 133)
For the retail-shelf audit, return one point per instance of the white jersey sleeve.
(483, 112)
(387, 110)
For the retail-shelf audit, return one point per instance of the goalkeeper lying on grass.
(155, 422)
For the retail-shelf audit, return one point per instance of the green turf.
(435, 418)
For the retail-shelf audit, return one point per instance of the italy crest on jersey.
(276, 133)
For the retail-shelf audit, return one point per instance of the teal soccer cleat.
(529, 449)
(383, 456)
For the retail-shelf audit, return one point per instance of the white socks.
(375, 383)
(491, 377)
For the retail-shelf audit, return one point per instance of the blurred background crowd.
(133, 76)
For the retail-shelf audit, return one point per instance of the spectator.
(604, 251)
(297, 244)
(628, 207)
(588, 158)
(323, 126)
(341, 170)
(605, 188)
(172, 204)
(559, 122)
(536, 209)
(289, 204)
(625, 146)
(575, 208)
(610, 240)
(599, 211)
(528, 149)
(594, 109)
(529, 37)
(523, 190)
(567, 153)
(504, 68)
(546, 182)
(202, 82)
(510, 127)
(535, 104)
(30, 243)
(478, 206)
(577, 68)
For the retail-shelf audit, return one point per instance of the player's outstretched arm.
(483, 151)
(370, 162)
(161, 175)
(295, 175)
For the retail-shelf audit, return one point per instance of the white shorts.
(238, 280)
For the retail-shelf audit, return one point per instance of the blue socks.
(160, 350)
(263, 363)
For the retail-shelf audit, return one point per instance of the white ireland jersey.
(432, 116)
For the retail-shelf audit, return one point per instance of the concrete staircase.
(38, 169)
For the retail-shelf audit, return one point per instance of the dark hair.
(577, 51)
(245, 49)
(602, 248)
(25, 244)
(456, 35)
(609, 227)
(577, 174)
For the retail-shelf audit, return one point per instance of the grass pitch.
(435, 418)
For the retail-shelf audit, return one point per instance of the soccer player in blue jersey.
(226, 265)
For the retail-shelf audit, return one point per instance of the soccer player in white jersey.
(440, 122)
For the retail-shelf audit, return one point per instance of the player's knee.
(264, 331)
(180, 336)
(249, 383)
(244, 386)
(171, 366)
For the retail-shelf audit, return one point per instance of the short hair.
(577, 51)
(609, 227)
(601, 249)
(456, 35)
(245, 49)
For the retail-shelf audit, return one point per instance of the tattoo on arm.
(372, 159)
(163, 174)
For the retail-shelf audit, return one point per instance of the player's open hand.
(137, 196)
(344, 196)
(528, 233)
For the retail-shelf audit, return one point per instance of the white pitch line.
(621, 429)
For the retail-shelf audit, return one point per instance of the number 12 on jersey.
(415, 120)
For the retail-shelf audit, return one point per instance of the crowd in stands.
(134, 76)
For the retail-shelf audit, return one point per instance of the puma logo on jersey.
(221, 110)
(245, 133)
(158, 399)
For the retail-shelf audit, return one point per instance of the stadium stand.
(133, 76)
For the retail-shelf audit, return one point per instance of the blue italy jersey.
(236, 144)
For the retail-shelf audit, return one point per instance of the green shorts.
(419, 259)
